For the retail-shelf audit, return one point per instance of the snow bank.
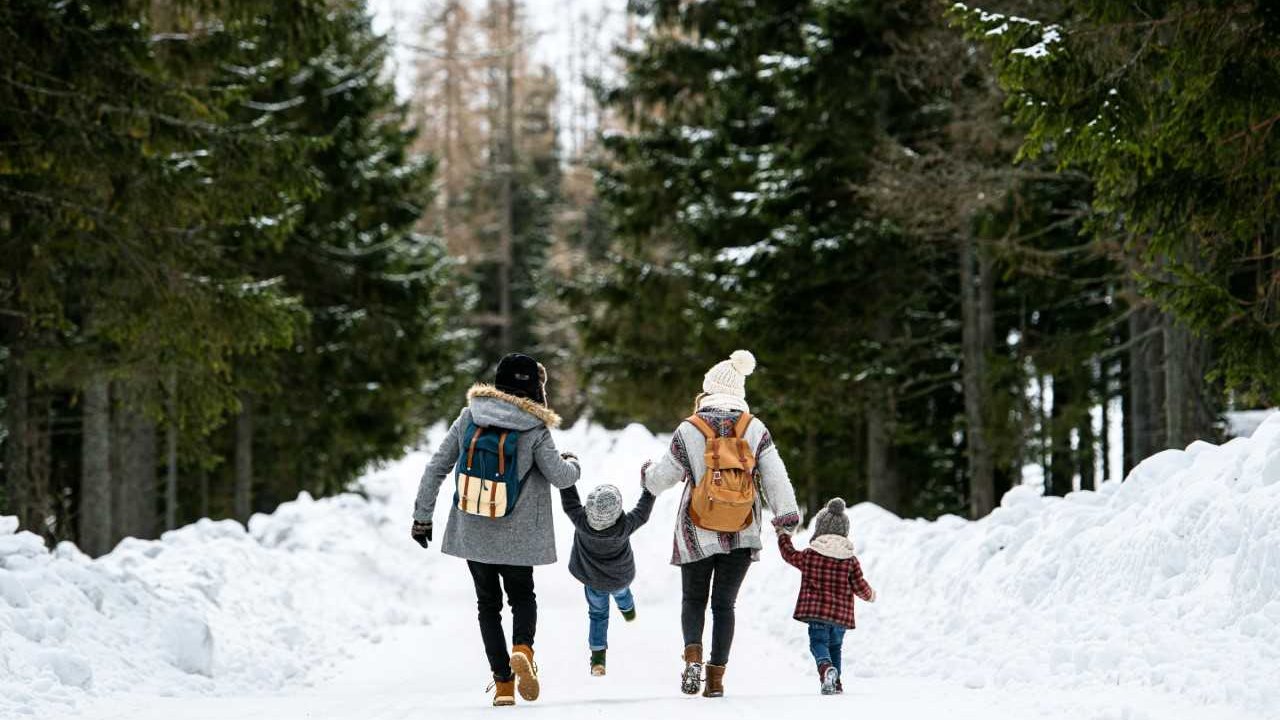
(1170, 581)
(210, 608)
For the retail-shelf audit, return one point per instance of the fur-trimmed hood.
(832, 546)
(483, 396)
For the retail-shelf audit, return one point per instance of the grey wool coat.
(525, 536)
(602, 559)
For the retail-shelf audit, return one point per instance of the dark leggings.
(518, 582)
(718, 578)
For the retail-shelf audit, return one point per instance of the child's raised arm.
(861, 587)
(572, 504)
(639, 515)
(789, 552)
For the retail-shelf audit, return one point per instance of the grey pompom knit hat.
(831, 520)
(604, 507)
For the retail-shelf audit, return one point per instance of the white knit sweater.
(683, 461)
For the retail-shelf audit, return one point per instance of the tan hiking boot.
(691, 678)
(526, 671)
(715, 681)
(504, 692)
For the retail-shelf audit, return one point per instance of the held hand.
(421, 533)
(569, 456)
(644, 469)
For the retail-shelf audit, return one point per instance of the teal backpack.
(487, 480)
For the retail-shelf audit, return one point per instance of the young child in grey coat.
(601, 558)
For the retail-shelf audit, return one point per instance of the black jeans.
(518, 582)
(719, 578)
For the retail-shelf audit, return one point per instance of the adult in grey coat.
(501, 552)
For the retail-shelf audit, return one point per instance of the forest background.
(250, 248)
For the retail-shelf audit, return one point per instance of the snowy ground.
(1156, 598)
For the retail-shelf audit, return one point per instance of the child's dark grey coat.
(602, 559)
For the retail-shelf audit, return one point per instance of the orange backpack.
(724, 500)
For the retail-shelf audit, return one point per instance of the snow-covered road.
(438, 670)
(1155, 599)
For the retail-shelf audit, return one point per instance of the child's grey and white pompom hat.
(604, 506)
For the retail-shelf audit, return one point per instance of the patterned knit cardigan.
(683, 462)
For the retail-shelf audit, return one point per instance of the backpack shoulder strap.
(702, 425)
(471, 450)
(740, 428)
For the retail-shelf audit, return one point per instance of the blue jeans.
(825, 641)
(598, 612)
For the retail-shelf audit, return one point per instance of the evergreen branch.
(1264, 125)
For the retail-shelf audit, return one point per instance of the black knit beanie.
(521, 376)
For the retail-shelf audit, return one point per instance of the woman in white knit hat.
(713, 562)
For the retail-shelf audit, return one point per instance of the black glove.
(421, 533)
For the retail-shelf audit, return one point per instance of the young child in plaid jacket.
(830, 577)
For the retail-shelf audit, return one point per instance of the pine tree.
(207, 214)
(124, 184)
(493, 115)
(735, 197)
(1168, 106)
(374, 363)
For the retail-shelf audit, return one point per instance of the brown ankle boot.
(691, 678)
(526, 672)
(504, 692)
(715, 681)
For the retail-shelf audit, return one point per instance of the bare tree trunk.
(1176, 361)
(883, 484)
(1062, 466)
(1128, 445)
(134, 437)
(1155, 359)
(243, 505)
(95, 468)
(883, 487)
(40, 467)
(1046, 437)
(1104, 440)
(857, 455)
(202, 479)
(811, 470)
(1086, 452)
(976, 324)
(452, 100)
(1137, 384)
(506, 189)
(1204, 407)
(171, 457)
(19, 487)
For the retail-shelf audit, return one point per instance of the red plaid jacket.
(827, 584)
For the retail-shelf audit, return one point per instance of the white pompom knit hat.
(725, 384)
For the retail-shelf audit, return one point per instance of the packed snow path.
(1155, 599)
(440, 671)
